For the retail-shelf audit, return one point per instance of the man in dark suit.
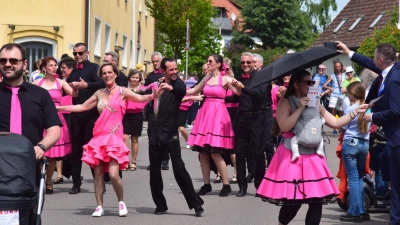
(83, 77)
(385, 112)
(113, 57)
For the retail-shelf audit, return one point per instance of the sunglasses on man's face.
(245, 62)
(308, 82)
(321, 68)
(13, 61)
(78, 53)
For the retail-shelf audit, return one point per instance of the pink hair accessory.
(223, 70)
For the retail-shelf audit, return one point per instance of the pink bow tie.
(245, 76)
(157, 71)
(79, 66)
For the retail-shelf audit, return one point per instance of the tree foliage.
(389, 34)
(318, 11)
(277, 23)
(171, 16)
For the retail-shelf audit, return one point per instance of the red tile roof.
(230, 7)
(369, 9)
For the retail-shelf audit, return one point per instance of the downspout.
(133, 34)
(88, 23)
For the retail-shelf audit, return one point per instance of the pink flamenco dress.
(212, 130)
(63, 145)
(306, 180)
(108, 136)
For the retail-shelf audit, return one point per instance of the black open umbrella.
(294, 61)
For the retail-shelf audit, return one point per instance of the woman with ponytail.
(354, 154)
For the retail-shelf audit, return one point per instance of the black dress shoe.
(350, 218)
(160, 211)
(250, 178)
(226, 189)
(205, 189)
(104, 189)
(242, 192)
(198, 210)
(165, 165)
(365, 216)
(75, 190)
(199, 200)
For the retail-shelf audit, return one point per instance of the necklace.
(109, 90)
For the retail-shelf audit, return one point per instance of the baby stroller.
(18, 196)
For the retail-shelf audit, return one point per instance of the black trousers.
(250, 137)
(82, 132)
(269, 139)
(181, 175)
(165, 156)
(193, 109)
(288, 212)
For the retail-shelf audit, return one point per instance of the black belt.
(248, 113)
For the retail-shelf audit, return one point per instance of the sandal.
(217, 179)
(49, 191)
(233, 180)
(58, 180)
(133, 166)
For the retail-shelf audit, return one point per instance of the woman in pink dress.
(212, 132)
(308, 179)
(55, 86)
(106, 151)
(133, 119)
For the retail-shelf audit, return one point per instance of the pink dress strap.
(41, 82)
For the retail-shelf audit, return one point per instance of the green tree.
(389, 34)
(318, 11)
(198, 54)
(277, 23)
(171, 16)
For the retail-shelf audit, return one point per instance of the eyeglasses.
(245, 62)
(13, 61)
(308, 82)
(155, 61)
(210, 61)
(349, 72)
(321, 68)
(78, 53)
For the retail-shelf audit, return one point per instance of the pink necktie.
(15, 113)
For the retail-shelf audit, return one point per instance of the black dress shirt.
(37, 108)
(255, 99)
(152, 77)
(163, 128)
(121, 80)
(89, 74)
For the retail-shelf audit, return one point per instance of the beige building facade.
(52, 27)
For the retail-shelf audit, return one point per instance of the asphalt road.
(62, 208)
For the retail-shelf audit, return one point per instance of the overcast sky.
(340, 4)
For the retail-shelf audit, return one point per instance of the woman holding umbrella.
(308, 179)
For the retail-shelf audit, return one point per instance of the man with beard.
(83, 77)
(155, 76)
(258, 62)
(25, 108)
(163, 137)
(253, 125)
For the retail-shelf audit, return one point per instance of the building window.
(222, 13)
(339, 26)
(376, 21)
(140, 6)
(107, 38)
(355, 23)
(97, 37)
(125, 51)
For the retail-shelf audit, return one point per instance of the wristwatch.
(42, 147)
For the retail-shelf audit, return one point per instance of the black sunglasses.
(13, 61)
(321, 68)
(78, 53)
(245, 62)
(309, 82)
(349, 72)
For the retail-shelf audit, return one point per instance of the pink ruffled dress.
(63, 145)
(108, 136)
(308, 179)
(212, 130)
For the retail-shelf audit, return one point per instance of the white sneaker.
(122, 209)
(188, 146)
(98, 212)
